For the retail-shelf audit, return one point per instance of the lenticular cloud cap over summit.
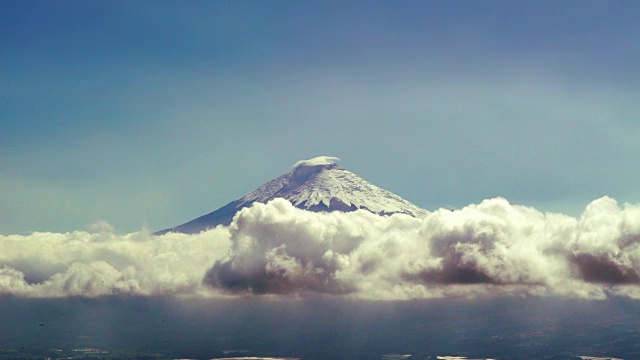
(319, 185)
(316, 161)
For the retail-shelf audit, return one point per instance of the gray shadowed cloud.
(602, 269)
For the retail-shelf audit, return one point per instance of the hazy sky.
(154, 113)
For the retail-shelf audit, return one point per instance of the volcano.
(318, 184)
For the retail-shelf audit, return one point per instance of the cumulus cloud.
(493, 247)
(99, 262)
(490, 249)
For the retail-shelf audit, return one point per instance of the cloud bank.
(99, 262)
(490, 249)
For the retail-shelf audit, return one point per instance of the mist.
(322, 327)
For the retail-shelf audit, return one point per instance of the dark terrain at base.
(318, 328)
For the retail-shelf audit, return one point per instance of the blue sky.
(153, 113)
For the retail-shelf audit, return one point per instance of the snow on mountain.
(317, 184)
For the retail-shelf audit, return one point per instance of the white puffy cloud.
(490, 249)
(92, 264)
(607, 248)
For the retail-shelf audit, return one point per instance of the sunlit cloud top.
(482, 250)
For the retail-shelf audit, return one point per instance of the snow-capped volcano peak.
(317, 184)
